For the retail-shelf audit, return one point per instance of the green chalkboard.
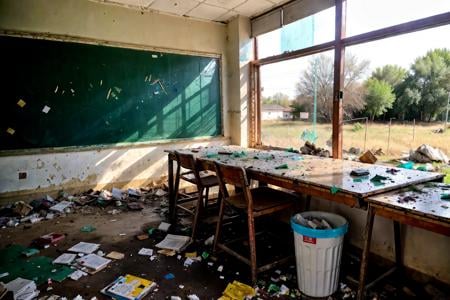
(60, 94)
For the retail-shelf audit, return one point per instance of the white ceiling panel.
(137, 3)
(253, 7)
(206, 11)
(213, 10)
(178, 7)
(228, 4)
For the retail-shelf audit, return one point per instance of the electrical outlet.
(22, 175)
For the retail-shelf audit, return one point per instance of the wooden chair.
(202, 180)
(256, 202)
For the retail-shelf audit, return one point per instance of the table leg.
(366, 252)
(171, 188)
(308, 202)
(397, 245)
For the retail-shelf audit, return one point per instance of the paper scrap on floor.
(83, 247)
(174, 242)
(129, 287)
(61, 206)
(65, 259)
(93, 262)
(23, 289)
(164, 226)
(146, 252)
(115, 255)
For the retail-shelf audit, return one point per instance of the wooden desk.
(310, 175)
(326, 178)
(419, 206)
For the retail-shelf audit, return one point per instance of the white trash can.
(318, 254)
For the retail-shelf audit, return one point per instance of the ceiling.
(212, 10)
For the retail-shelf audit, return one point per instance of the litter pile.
(312, 222)
(311, 149)
(47, 208)
(427, 154)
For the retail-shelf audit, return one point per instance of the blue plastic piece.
(319, 233)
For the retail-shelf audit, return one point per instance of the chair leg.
(252, 242)
(198, 212)
(173, 214)
(219, 223)
(206, 198)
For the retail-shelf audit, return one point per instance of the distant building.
(275, 112)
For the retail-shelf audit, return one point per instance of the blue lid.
(319, 233)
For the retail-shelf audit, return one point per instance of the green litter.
(238, 154)
(334, 189)
(290, 150)
(273, 288)
(87, 228)
(205, 255)
(212, 155)
(30, 252)
(283, 166)
(407, 165)
(421, 168)
(37, 268)
(377, 180)
(445, 197)
(361, 179)
(151, 230)
(447, 179)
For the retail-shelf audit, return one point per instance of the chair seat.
(263, 198)
(208, 179)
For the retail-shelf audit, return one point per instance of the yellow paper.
(21, 103)
(10, 131)
(238, 291)
(191, 254)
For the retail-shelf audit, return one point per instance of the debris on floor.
(427, 154)
(368, 157)
(311, 149)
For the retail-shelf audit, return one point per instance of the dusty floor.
(117, 232)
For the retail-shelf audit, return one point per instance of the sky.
(362, 16)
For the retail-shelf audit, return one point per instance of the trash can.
(318, 253)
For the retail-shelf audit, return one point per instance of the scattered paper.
(166, 252)
(77, 275)
(61, 206)
(93, 262)
(146, 252)
(115, 255)
(21, 103)
(117, 194)
(83, 247)
(174, 242)
(154, 56)
(65, 259)
(164, 226)
(160, 193)
(46, 109)
(10, 131)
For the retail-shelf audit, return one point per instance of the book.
(129, 287)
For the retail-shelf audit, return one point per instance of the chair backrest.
(236, 176)
(187, 161)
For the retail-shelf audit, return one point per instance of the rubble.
(368, 157)
(427, 154)
(311, 149)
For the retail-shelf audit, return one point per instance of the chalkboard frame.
(124, 45)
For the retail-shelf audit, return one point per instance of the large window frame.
(339, 45)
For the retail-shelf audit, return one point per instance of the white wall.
(133, 165)
(271, 115)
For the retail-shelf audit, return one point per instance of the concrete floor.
(117, 232)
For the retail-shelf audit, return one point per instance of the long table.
(420, 206)
(312, 176)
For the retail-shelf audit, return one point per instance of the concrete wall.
(423, 250)
(133, 165)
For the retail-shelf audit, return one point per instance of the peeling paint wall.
(133, 165)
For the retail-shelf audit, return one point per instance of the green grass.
(287, 134)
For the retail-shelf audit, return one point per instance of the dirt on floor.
(118, 231)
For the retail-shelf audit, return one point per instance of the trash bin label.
(309, 240)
